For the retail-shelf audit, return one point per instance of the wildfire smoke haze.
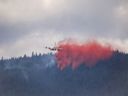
(74, 54)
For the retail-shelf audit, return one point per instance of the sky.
(30, 25)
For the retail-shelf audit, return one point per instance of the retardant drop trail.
(75, 54)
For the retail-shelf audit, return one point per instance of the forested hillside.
(38, 75)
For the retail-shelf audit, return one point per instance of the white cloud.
(116, 44)
(27, 25)
(29, 10)
(35, 41)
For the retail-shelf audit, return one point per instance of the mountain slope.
(39, 76)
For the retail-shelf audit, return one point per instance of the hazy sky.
(29, 25)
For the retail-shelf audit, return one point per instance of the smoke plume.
(74, 54)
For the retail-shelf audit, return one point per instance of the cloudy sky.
(29, 25)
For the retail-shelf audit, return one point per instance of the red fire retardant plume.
(74, 54)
